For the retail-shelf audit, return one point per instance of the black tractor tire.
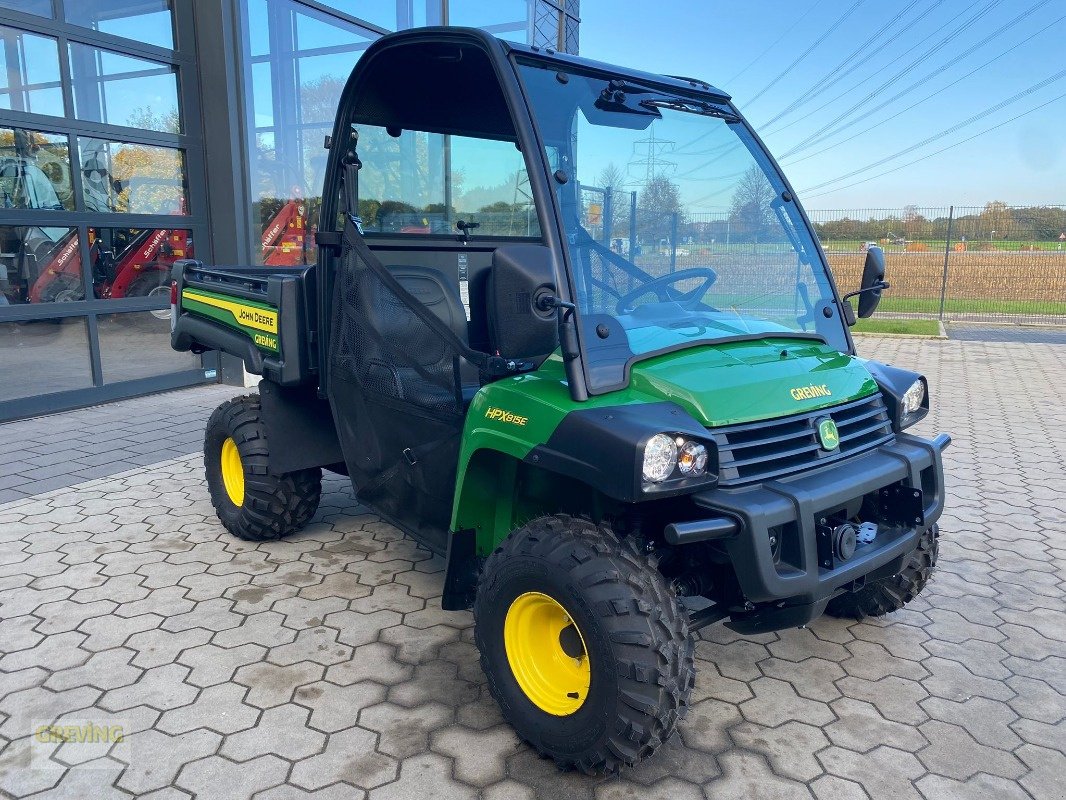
(632, 627)
(151, 282)
(63, 289)
(894, 592)
(271, 506)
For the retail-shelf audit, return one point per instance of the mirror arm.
(568, 344)
(880, 285)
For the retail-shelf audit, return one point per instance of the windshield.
(680, 231)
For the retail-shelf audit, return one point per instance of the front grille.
(759, 451)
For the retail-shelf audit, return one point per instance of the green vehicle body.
(714, 384)
(529, 444)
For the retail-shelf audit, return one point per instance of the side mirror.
(521, 324)
(873, 283)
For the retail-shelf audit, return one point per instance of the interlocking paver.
(156, 758)
(271, 684)
(281, 730)
(218, 708)
(478, 755)
(219, 779)
(325, 665)
(349, 756)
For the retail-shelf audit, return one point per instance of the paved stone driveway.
(322, 665)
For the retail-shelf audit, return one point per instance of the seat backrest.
(439, 294)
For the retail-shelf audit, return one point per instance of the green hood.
(736, 382)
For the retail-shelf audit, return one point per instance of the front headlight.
(660, 458)
(671, 456)
(912, 405)
(691, 458)
(913, 397)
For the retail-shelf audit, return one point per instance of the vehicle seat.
(404, 331)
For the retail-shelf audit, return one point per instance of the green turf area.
(963, 305)
(914, 327)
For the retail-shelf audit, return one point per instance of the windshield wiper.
(691, 107)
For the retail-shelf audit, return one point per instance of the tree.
(612, 180)
(165, 121)
(996, 217)
(750, 212)
(657, 203)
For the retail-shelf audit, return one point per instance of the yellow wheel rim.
(232, 472)
(547, 654)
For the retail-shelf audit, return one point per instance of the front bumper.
(794, 587)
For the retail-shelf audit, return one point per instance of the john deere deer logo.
(828, 435)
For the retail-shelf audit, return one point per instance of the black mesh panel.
(397, 398)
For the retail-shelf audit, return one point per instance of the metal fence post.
(632, 235)
(608, 215)
(632, 224)
(673, 241)
(947, 252)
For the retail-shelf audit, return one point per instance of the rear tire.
(150, 283)
(894, 592)
(621, 618)
(251, 502)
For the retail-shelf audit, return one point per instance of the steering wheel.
(661, 285)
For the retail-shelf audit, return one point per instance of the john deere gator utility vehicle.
(570, 327)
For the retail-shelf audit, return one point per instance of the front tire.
(585, 647)
(251, 502)
(894, 592)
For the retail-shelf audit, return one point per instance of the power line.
(776, 41)
(942, 149)
(895, 77)
(832, 77)
(927, 77)
(839, 21)
(929, 96)
(946, 132)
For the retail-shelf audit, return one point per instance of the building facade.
(137, 132)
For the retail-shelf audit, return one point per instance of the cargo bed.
(263, 315)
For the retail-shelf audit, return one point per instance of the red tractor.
(137, 266)
(284, 238)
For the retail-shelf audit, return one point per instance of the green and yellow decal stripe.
(257, 320)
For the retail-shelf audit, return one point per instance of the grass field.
(970, 305)
(914, 327)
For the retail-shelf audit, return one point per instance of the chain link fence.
(994, 263)
(991, 263)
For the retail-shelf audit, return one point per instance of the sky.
(841, 63)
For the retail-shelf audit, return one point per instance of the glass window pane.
(123, 90)
(479, 14)
(137, 345)
(132, 178)
(257, 18)
(136, 262)
(318, 30)
(147, 21)
(43, 356)
(39, 265)
(29, 77)
(42, 8)
(35, 170)
(293, 101)
(377, 12)
(406, 181)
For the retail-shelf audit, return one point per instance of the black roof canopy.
(448, 80)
